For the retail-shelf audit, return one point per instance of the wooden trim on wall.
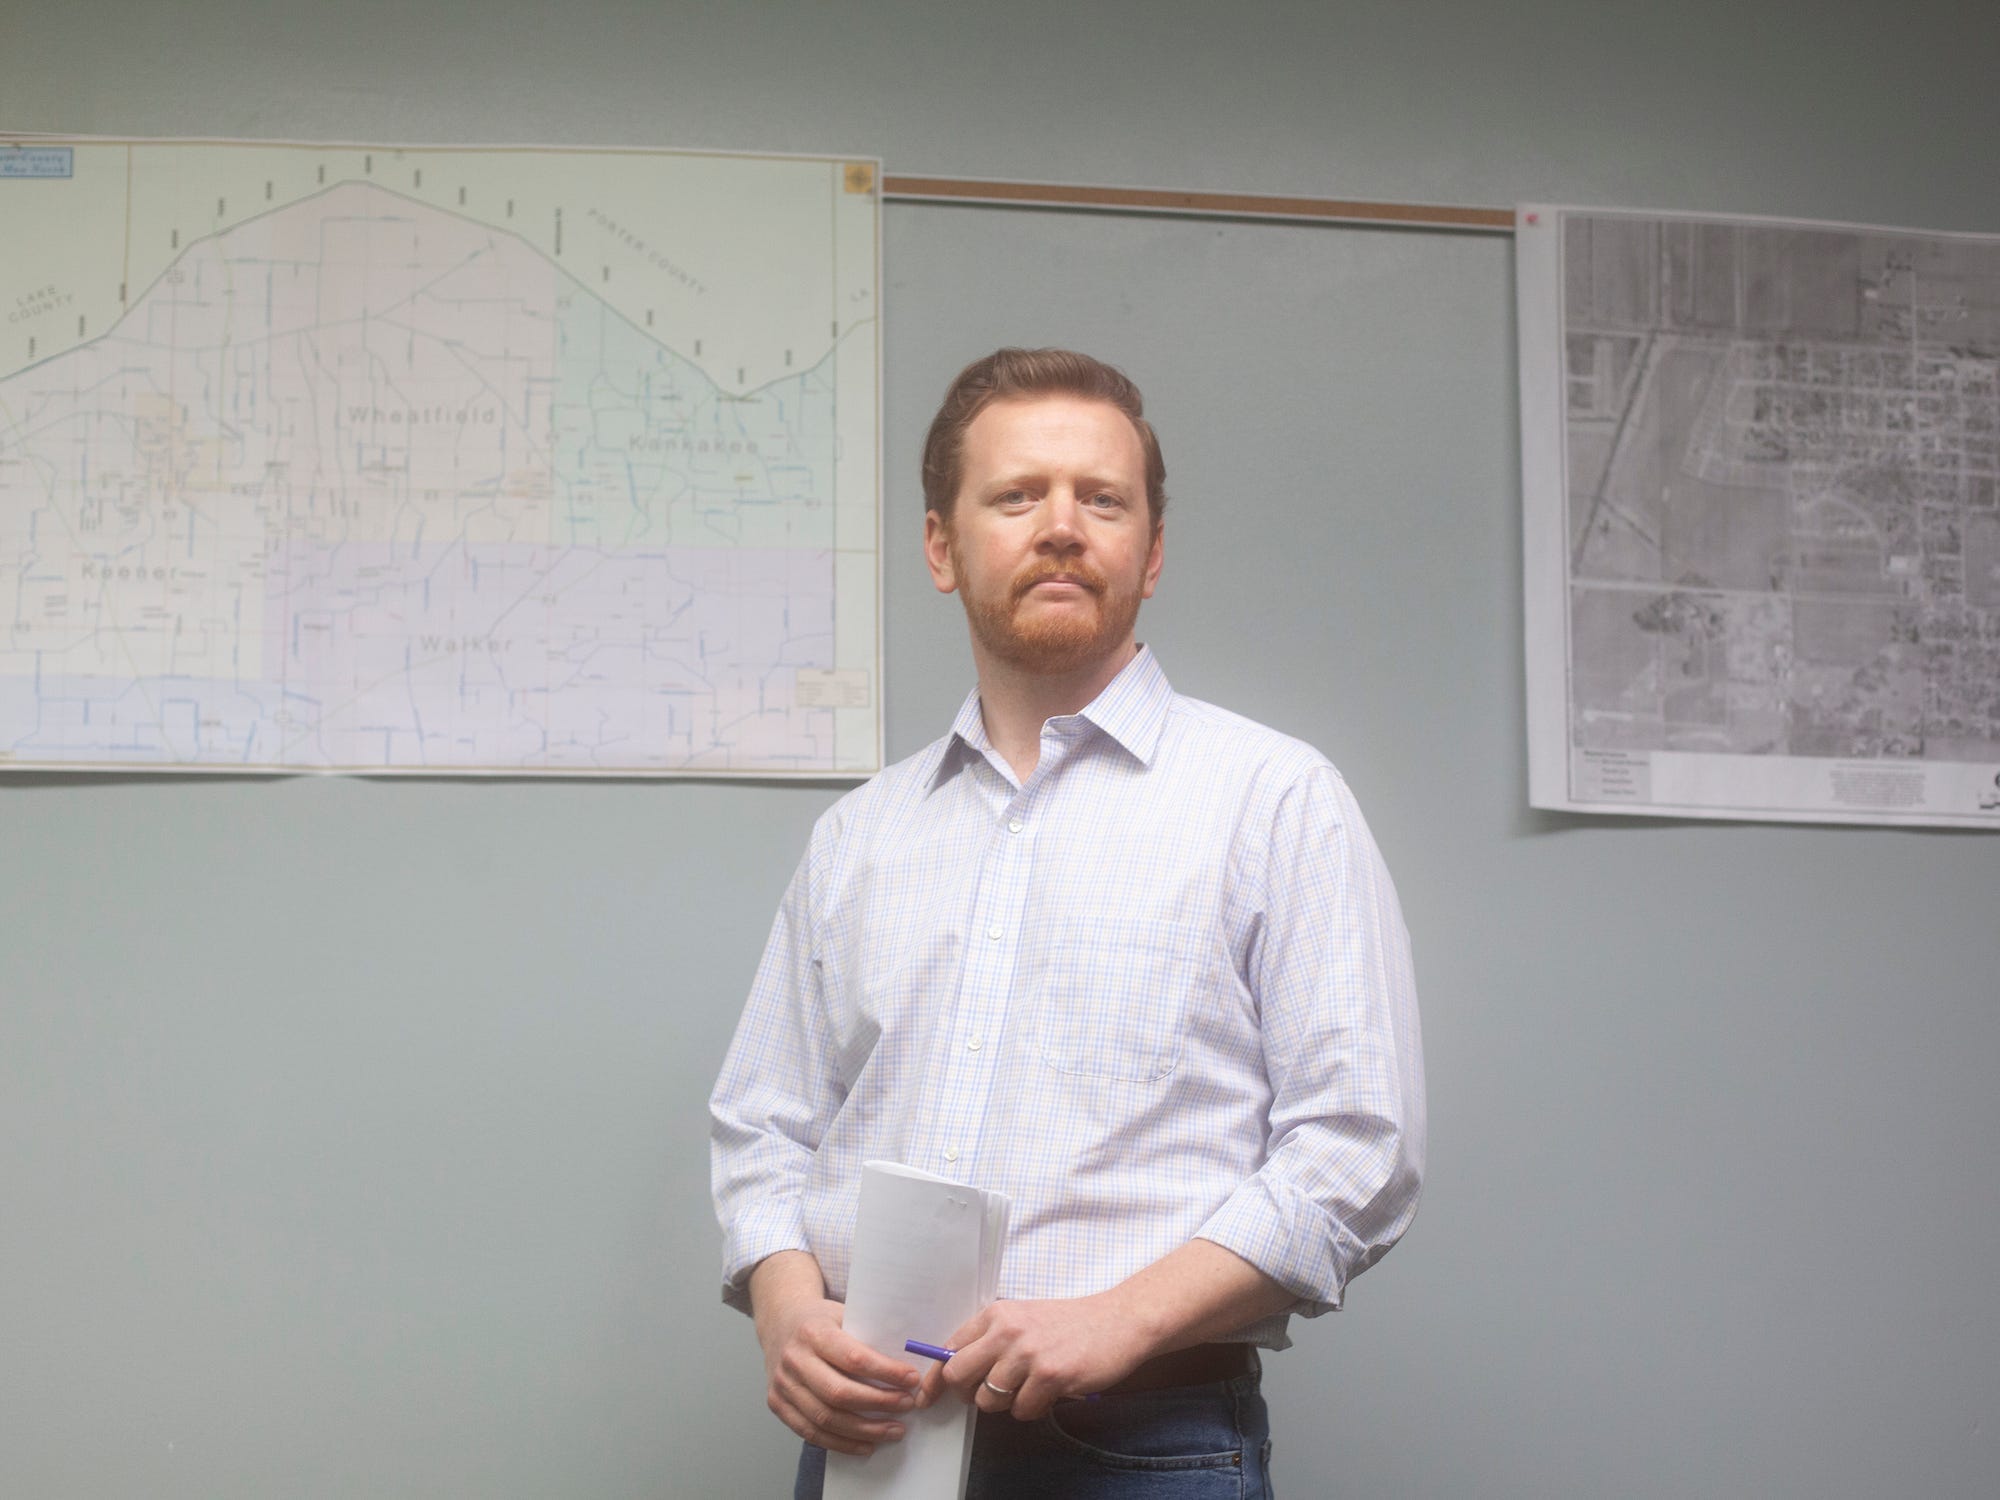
(1173, 201)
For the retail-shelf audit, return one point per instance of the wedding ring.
(998, 1390)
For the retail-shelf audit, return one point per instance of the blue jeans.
(1191, 1442)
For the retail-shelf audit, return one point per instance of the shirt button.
(974, 1045)
(951, 1153)
(993, 933)
(1013, 825)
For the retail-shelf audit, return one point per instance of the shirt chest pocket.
(1113, 998)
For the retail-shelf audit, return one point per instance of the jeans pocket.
(1157, 1431)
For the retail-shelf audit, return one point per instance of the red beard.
(1051, 642)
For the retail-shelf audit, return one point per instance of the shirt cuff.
(753, 1238)
(1288, 1237)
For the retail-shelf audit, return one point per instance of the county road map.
(437, 460)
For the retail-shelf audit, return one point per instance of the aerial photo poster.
(1761, 479)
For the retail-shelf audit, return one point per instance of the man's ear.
(937, 552)
(1154, 559)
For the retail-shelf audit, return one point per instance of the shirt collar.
(1132, 710)
(966, 741)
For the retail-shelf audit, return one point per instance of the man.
(1128, 958)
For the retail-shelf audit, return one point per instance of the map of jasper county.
(463, 461)
(1780, 514)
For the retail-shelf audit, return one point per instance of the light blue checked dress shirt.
(1161, 990)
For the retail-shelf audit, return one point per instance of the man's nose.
(1061, 521)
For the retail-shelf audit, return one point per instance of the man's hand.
(1037, 1353)
(818, 1374)
(1042, 1352)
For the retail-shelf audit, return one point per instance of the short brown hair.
(1023, 374)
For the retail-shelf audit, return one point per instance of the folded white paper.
(926, 1257)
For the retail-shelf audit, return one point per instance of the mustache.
(1071, 572)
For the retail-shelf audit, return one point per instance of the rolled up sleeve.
(773, 1099)
(1343, 1051)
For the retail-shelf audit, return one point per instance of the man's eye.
(1107, 501)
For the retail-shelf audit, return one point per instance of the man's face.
(1050, 543)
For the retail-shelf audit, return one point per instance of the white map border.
(1659, 783)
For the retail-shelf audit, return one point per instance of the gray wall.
(352, 1133)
